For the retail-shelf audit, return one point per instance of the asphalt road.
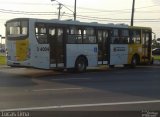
(119, 89)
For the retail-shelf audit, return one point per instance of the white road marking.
(60, 89)
(82, 105)
(71, 79)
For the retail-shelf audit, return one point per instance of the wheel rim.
(81, 66)
(134, 61)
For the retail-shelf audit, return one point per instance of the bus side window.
(24, 28)
(115, 38)
(135, 37)
(89, 36)
(70, 35)
(52, 31)
(79, 36)
(145, 39)
(60, 35)
(41, 33)
(125, 36)
(74, 35)
(51, 36)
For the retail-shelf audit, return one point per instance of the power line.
(113, 20)
(79, 16)
(83, 8)
(24, 3)
(118, 10)
(26, 13)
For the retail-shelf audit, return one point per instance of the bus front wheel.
(80, 65)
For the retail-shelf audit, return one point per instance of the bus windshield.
(17, 29)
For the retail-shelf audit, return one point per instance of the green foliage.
(156, 57)
(2, 59)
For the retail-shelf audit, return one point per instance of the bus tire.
(81, 64)
(134, 61)
(152, 61)
(111, 66)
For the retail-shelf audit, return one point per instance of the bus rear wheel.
(80, 65)
(134, 61)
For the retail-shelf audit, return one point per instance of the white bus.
(50, 44)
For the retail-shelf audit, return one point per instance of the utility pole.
(1, 40)
(132, 16)
(59, 10)
(75, 7)
(60, 6)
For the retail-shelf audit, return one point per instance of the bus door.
(146, 47)
(103, 46)
(56, 47)
(41, 50)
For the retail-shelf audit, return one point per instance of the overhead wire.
(79, 16)
(83, 8)
(90, 10)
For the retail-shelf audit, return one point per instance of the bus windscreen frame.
(17, 29)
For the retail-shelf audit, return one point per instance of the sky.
(147, 12)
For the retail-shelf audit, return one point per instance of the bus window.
(70, 36)
(100, 36)
(115, 36)
(79, 36)
(89, 36)
(52, 31)
(100, 45)
(124, 36)
(51, 37)
(60, 35)
(24, 27)
(41, 33)
(135, 37)
(145, 39)
(17, 29)
(14, 30)
(105, 37)
(74, 35)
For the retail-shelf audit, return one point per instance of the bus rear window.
(17, 29)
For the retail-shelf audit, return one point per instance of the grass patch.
(156, 57)
(2, 59)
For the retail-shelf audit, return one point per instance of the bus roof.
(140, 27)
(72, 22)
(78, 23)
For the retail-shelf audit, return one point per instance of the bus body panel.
(18, 53)
(11, 50)
(118, 54)
(41, 58)
(90, 51)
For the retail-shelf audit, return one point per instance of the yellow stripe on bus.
(22, 49)
(134, 49)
